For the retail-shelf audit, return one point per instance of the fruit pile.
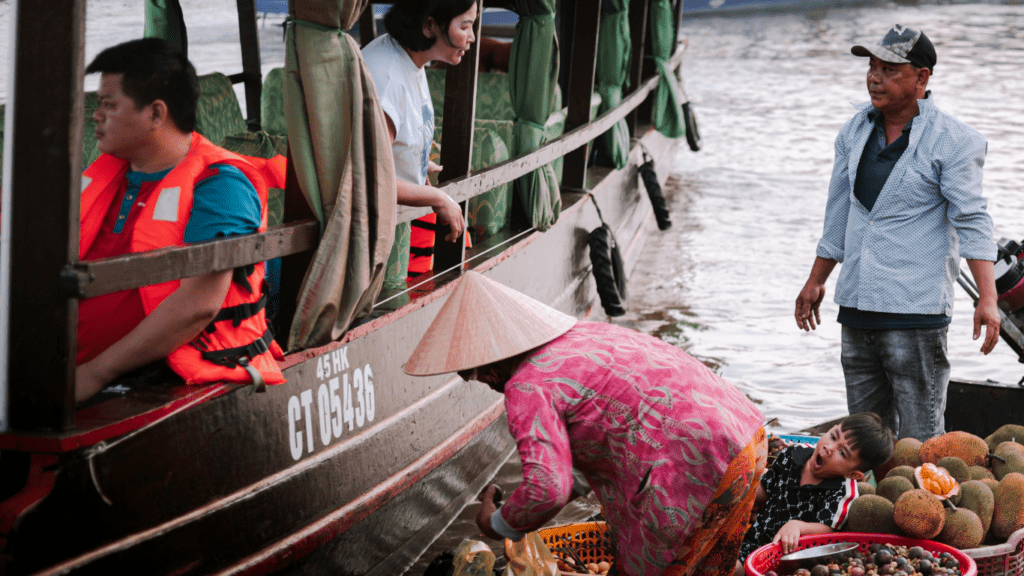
(887, 560)
(957, 488)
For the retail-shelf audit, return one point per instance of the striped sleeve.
(847, 495)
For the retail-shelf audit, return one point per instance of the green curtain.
(667, 114)
(614, 48)
(533, 74)
(164, 20)
(341, 153)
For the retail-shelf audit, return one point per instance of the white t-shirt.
(405, 97)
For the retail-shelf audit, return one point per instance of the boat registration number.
(344, 399)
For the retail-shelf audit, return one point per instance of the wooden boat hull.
(352, 467)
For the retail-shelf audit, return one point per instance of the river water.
(771, 92)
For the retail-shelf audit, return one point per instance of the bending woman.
(672, 451)
(418, 32)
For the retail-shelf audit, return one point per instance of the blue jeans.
(901, 375)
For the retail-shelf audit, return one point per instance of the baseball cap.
(902, 45)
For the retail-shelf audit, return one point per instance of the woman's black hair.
(405, 20)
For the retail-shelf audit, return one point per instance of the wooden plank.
(581, 85)
(638, 34)
(250, 60)
(457, 138)
(367, 25)
(97, 277)
(45, 172)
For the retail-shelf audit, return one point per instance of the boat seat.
(262, 145)
(272, 115)
(218, 114)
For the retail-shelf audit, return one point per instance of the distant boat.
(723, 7)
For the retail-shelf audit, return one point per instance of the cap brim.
(879, 52)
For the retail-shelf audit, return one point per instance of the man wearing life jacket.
(158, 183)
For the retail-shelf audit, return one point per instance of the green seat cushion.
(218, 113)
(272, 103)
(262, 145)
(489, 212)
(492, 98)
(90, 148)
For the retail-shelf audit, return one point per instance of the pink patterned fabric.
(618, 404)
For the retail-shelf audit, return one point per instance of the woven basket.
(584, 538)
(1002, 559)
(767, 557)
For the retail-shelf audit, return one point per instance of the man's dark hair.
(870, 437)
(405, 20)
(152, 70)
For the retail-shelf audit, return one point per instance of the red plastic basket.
(767, 557)
(1002, 559)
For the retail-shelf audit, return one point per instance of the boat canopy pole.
(583, 66)
(42, 186)
(5, 222)
(457, 134)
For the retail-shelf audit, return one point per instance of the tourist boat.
(351, 467)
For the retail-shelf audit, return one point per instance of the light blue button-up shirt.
(903, 255)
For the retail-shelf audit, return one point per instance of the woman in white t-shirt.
(418, 32)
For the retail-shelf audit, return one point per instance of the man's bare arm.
(178, 319)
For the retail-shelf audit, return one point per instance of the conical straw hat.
(483, 322)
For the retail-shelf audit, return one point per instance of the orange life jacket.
(240, 329)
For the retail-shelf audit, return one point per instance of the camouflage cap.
(902, 45)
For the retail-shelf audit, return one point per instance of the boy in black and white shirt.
(808, 490)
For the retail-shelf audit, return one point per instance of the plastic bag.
(529, 557)
(473, 558)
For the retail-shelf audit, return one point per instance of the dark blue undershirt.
(873, 171)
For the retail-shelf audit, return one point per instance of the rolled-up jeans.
(901, 375)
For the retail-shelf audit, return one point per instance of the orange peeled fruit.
(936, 480)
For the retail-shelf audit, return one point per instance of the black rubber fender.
(692, 134)
(609, 271)
(650, 178)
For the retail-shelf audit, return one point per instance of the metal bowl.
(809, 557)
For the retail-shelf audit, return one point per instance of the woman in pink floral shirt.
(671, 450)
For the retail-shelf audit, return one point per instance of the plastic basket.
(585, 538)
(1002, 559)
(767, 557)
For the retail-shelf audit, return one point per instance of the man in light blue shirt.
(904, 206)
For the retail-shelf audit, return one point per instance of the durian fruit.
(1008, 516)
(977, 497)
(979, 472)
(962, 529)
(919, 514)
(992, 483)
(893, 486)
(905, 471)
(956, 468)
(1013, 432)
(871, 514)
(964, 445)
(905, 453)
(1008, 457)
(865, 489)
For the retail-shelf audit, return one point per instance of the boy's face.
(833, 457)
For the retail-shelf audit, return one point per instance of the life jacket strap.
(237, 313)
(240, 356)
